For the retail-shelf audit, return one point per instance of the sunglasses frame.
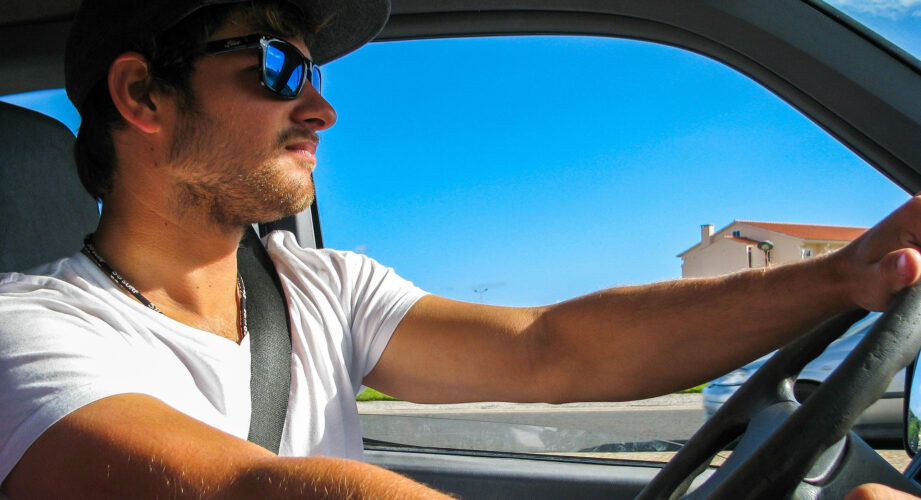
(262, 42)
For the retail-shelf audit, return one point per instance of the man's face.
(239, 153)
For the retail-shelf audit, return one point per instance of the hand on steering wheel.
(780, 439)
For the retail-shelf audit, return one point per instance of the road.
(651, 429)
(650, 425)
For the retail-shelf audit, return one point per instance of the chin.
(289, 202)
(264, 195)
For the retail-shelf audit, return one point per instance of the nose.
(313, 110)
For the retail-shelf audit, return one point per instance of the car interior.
(823, 64)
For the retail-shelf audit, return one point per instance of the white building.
(748, 244)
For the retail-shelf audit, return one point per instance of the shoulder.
(292, 259)
(349, 278)
(63, 275)
(62, 281)
(61, 302)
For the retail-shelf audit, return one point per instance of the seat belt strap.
(269, 329)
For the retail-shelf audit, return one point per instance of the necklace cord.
(89, 249)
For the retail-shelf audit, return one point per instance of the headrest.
(44, 210)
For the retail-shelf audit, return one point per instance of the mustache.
(298, 133)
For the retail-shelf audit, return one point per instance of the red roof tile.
(811, 232)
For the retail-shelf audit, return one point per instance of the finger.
(877, 492)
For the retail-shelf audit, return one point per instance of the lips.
(304, 149)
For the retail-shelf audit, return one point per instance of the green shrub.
(372, 395)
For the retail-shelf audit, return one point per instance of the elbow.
(551, 366)
(568, 364)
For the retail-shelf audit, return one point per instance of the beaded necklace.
(90, 251)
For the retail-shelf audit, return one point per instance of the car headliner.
(825, 65)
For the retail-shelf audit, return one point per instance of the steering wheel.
(781, 442)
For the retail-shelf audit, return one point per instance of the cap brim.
(344, 25)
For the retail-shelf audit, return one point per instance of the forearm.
(272, 478)
(636, 342)
(134, 446)
(323, 478)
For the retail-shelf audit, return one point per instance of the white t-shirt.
(69, 336)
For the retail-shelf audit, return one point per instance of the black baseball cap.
(104, 29)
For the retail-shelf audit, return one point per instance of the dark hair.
(171, 57)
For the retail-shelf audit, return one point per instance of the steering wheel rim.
(776, 468)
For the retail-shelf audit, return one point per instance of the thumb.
(900, 268)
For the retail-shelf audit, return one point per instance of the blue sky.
(541, 168)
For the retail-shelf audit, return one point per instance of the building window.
(737, 233)
(807, 253)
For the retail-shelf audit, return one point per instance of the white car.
(881, 422)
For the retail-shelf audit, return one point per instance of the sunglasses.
(283, 68)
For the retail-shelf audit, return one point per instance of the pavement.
(656, 424)
(671, 401)
(646, 411)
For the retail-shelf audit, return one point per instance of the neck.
(186, 267)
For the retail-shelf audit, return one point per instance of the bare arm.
(635, 342)
(134, 446)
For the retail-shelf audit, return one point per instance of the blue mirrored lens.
(315, 78)
(274, 62)
(292, 86)
(284, 69)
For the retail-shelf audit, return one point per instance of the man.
(125, 368)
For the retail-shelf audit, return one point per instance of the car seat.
(45, 213)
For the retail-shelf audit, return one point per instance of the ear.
(130, 87)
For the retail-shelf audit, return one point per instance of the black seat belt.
(269, 329)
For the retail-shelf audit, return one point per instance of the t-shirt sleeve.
(380, 299)
(53, 360)
(370, 299)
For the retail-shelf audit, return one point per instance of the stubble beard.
(233, 189)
